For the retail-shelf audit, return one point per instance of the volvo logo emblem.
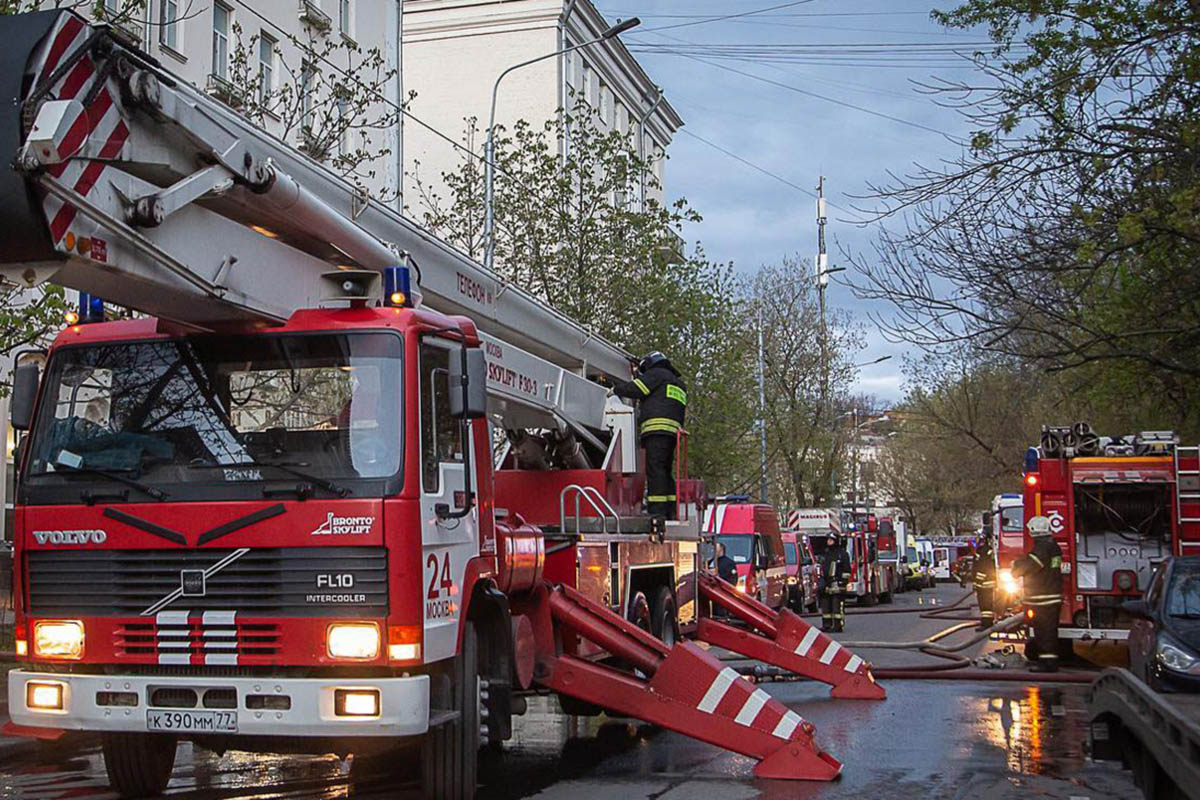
(192, 583)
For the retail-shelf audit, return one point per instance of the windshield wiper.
(284, 466)
(157, 494)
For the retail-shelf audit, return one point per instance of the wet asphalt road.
(929, 739)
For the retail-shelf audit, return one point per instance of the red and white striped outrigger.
(684, 689)
(784, 640)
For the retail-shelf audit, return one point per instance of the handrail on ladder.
(596, 500)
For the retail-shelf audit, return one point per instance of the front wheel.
(450, 757)
(138, 764)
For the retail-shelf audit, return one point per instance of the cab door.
(447, 544)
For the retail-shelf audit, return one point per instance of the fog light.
(44, 696)
(356, 702)
(357, 641)
(58, 639)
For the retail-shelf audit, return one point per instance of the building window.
(220, 40)
(266, 67)
(605, 106)
(307, 82)
(344, 17)
(587, 84)
(168, 30)
(112, 8)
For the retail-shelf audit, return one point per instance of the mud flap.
(786, 641)
(687, 690)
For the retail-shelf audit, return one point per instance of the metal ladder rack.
(1187, 487)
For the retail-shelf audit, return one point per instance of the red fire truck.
(263, 528)
(1117, 506)
(1007, 528)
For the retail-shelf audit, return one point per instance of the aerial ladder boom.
(132, 185)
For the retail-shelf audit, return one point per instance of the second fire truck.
(1118, 505)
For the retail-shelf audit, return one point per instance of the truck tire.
(639, 612)
(450, 755)
(664, 621)
(885, 598)
(138, 764)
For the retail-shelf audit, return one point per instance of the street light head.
(621, 27)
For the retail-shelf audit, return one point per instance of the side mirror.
(762, 562)
(24, 396)
(987, 520)
(468, 385)
(1137, 608)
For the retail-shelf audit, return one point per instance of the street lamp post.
(489, 216)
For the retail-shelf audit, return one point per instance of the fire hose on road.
(954, 666)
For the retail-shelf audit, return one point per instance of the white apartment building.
(454, 50)
(306, 46)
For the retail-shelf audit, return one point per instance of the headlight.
(1008, 584)
(357, 641)
(792, 580)
(1174, 657)
(58, 639)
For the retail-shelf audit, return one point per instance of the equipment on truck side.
(270, 515)
(1117, 506)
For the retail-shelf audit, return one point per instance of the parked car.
(1164, 639)
(803, 572)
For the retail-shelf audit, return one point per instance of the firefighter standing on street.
(985, 583)
(662, 400)
(835, 574)
(1041, 569)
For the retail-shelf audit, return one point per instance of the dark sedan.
(1164, 642)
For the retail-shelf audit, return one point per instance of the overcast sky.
(751, 218)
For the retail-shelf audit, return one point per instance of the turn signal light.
(1032, 479)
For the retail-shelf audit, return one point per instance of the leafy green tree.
(571, 229)
(27, 317)
(805, 444)
(1068, 235)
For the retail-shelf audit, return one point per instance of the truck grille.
(266, 582)
(214, 637)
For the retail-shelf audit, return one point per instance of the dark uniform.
(985, 584)
(1041, 569)
(727, 569)
(662, 398)
(835, 574)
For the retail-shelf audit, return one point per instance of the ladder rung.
(1189, 519)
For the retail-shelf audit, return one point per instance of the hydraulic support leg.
(684, 689)
(784, 640)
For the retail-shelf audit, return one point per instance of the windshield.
(738, 546)
(231, 411)
(1012, 519)
(789, 553)
(1183, 598)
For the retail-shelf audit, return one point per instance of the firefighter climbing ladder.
(238, 229)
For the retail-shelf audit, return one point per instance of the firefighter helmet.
(650, 361)
(1039, 526)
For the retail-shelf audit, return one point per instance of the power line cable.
(707, 20)
(808, 93)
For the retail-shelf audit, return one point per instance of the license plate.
(192, 721)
